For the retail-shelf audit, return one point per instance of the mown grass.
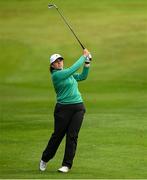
(112, 141)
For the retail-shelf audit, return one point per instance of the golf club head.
(52, 6)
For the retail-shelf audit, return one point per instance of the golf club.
(54, 6)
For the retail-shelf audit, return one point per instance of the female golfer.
(69, 110)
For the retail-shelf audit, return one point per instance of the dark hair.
(51, 69)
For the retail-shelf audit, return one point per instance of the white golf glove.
(88, 59)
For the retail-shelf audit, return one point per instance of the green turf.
(113, 138)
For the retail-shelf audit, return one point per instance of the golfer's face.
(58, 64)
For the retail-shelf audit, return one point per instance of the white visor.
(54, 57)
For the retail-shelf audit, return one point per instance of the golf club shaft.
(70, 28)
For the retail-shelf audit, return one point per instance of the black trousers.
(67, 121)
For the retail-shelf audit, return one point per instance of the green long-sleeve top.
(65, 82)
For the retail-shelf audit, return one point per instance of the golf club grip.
(82, 46)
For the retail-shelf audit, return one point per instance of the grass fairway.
(113, 138)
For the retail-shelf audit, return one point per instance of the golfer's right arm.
(70, 71)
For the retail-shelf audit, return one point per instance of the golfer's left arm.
(84, 74)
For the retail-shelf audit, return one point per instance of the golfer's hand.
(88, 56)
(86, 52)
